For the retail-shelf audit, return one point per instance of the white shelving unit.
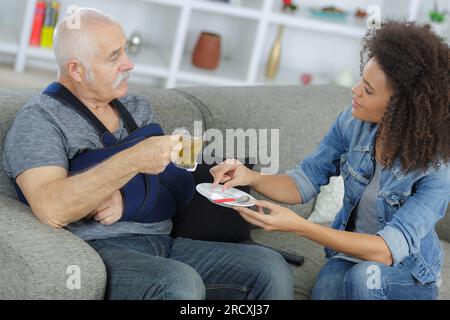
(11, 13)
(170, 29)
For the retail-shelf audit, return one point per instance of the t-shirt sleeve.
(140, 108)
(147, 111)
(33, 141)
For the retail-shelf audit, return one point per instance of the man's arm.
(58, 199)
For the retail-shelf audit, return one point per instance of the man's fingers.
(109, 220)
(103, 214)
(177, 147)
(176, 138)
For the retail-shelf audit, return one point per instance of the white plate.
(205, 189)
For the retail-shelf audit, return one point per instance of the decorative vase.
(275, 55)
(207, 51)
(135, 43)
(345, 78)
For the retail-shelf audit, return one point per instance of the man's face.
(110, 65)
(372, 94)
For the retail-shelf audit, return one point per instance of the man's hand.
(152, 155)
(110, 210)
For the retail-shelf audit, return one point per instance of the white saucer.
(205, 189)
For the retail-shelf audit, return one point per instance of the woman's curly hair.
(415, 127)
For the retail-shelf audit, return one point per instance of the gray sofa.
(34, 258)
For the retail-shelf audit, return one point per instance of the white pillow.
(328, 202)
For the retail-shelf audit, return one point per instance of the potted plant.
(437, 19)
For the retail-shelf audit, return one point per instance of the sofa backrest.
(172, 110)
(302, 114)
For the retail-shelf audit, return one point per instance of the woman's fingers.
(220, 171)
(266, 204)
(251, 220)
(263, 218)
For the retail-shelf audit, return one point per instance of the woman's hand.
(278, 219)
(232, 173)
(110, 211)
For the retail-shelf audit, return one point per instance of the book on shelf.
(45, 18)
(38, 21)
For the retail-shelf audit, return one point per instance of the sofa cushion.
(444, 291)
(443, 226)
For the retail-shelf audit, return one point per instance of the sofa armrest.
(36, 260)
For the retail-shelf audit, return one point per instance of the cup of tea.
(186, 158)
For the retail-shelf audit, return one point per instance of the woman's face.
(371, 94)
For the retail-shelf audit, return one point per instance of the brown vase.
(207, 51)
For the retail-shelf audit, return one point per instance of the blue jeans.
(160, 267)
(341, 279)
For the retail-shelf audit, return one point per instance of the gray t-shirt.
(364, 217)
(47, 132)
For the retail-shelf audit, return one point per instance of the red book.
(39, 15)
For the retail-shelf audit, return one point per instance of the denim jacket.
(409, 203)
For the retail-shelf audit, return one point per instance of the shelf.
(305, 22)
(237, 39)
(9, 42)
(139, 80)
(173, 3)
(150, 61)
(299, 55)
(11, 18)
(225, 74)
(288, 76)
(40, 53)
(170, 30)
(248, 9)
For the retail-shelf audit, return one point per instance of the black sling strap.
(61, 93)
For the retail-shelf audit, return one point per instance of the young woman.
(392, 148)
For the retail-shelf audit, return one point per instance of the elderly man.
(142, 260)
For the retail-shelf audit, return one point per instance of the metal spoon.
(242, 199)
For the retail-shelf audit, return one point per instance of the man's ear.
(75, 70)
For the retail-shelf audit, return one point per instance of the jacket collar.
(367, 144)
(368, 133)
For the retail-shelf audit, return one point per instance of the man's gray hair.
(72, 38)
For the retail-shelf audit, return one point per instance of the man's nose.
(127, 64)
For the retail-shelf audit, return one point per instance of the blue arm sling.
(146, 198)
